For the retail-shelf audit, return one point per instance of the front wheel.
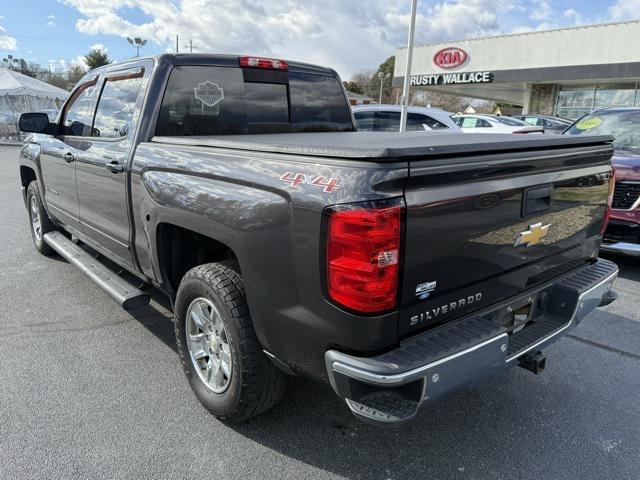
(220, 353)
(39, 221)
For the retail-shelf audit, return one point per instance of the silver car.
(386, 118)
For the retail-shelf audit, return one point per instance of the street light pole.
(137, 43)
(407, 70)
(382, 76)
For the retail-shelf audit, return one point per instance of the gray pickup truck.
(395, 267)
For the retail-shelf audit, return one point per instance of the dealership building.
(566, 72)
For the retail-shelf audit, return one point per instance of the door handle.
(114, 166)
(68, 157)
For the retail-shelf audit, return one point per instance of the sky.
(348, 35)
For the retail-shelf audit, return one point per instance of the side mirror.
(35, 123)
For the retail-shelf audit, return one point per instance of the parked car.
(477, 123)
(623, 230)
(386, 118)
(290, 244)
(549, 123)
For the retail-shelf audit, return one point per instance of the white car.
(386, 118)
(472, 123)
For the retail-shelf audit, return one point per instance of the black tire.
(46, 225)
(255, 384)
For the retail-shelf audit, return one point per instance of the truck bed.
(385, 146)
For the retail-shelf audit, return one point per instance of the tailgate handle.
(536, 200)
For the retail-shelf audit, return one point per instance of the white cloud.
(345, 35)
(64, 63)
(51, 21)
(574, 16)
(7, 42)
(625, 10)
(542, 10)
(99, 46)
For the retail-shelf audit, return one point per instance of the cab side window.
(79, 113)
(115, 107)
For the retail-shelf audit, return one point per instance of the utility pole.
(190, 46)
(177, 51)
(407, 70)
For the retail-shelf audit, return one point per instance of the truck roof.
(385, 145)
(220, 60)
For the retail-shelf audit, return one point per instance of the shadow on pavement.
(157, 318)
(629, 266)
(511, 427)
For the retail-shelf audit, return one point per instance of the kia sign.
(450, 57)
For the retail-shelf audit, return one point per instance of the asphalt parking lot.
(88, 390)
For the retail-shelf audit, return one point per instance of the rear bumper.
(390, 388)
(623, 233)
(624, 248)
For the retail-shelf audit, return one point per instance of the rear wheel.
(39, 221)
(220, 353)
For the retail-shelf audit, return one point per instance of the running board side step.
(127, 295)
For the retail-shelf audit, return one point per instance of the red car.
(623, 231)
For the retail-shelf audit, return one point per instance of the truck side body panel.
(274, 230)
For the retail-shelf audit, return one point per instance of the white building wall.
(589, 45)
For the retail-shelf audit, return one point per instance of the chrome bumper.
(625, 248)
(389, 388)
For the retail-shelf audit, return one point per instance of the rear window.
(225, 101)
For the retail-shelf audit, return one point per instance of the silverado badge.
(533, 236)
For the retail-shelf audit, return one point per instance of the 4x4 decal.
(328, 185)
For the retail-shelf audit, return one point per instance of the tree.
(354, 87)
(363, 78)
(96, 58)
(58, 80)
(386, 68)
(75, 73)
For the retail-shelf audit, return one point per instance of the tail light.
(607, 210)
(259, 62)
(363, 244)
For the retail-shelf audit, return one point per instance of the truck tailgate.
(482, 228)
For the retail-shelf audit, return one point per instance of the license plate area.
(524, 311)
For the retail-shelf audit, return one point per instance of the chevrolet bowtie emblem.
(533, 236)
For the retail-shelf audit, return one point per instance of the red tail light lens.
(363, 244)
(607, 210)
(259, 62)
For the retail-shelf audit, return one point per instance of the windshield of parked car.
(623, 126)
(389, 121)
(512, 122)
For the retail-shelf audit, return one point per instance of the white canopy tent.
(20, 93)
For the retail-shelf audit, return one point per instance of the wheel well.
(180, 249)
(27, 175)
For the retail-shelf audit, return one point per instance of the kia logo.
(450, 57)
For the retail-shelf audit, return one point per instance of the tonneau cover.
(385, 145)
